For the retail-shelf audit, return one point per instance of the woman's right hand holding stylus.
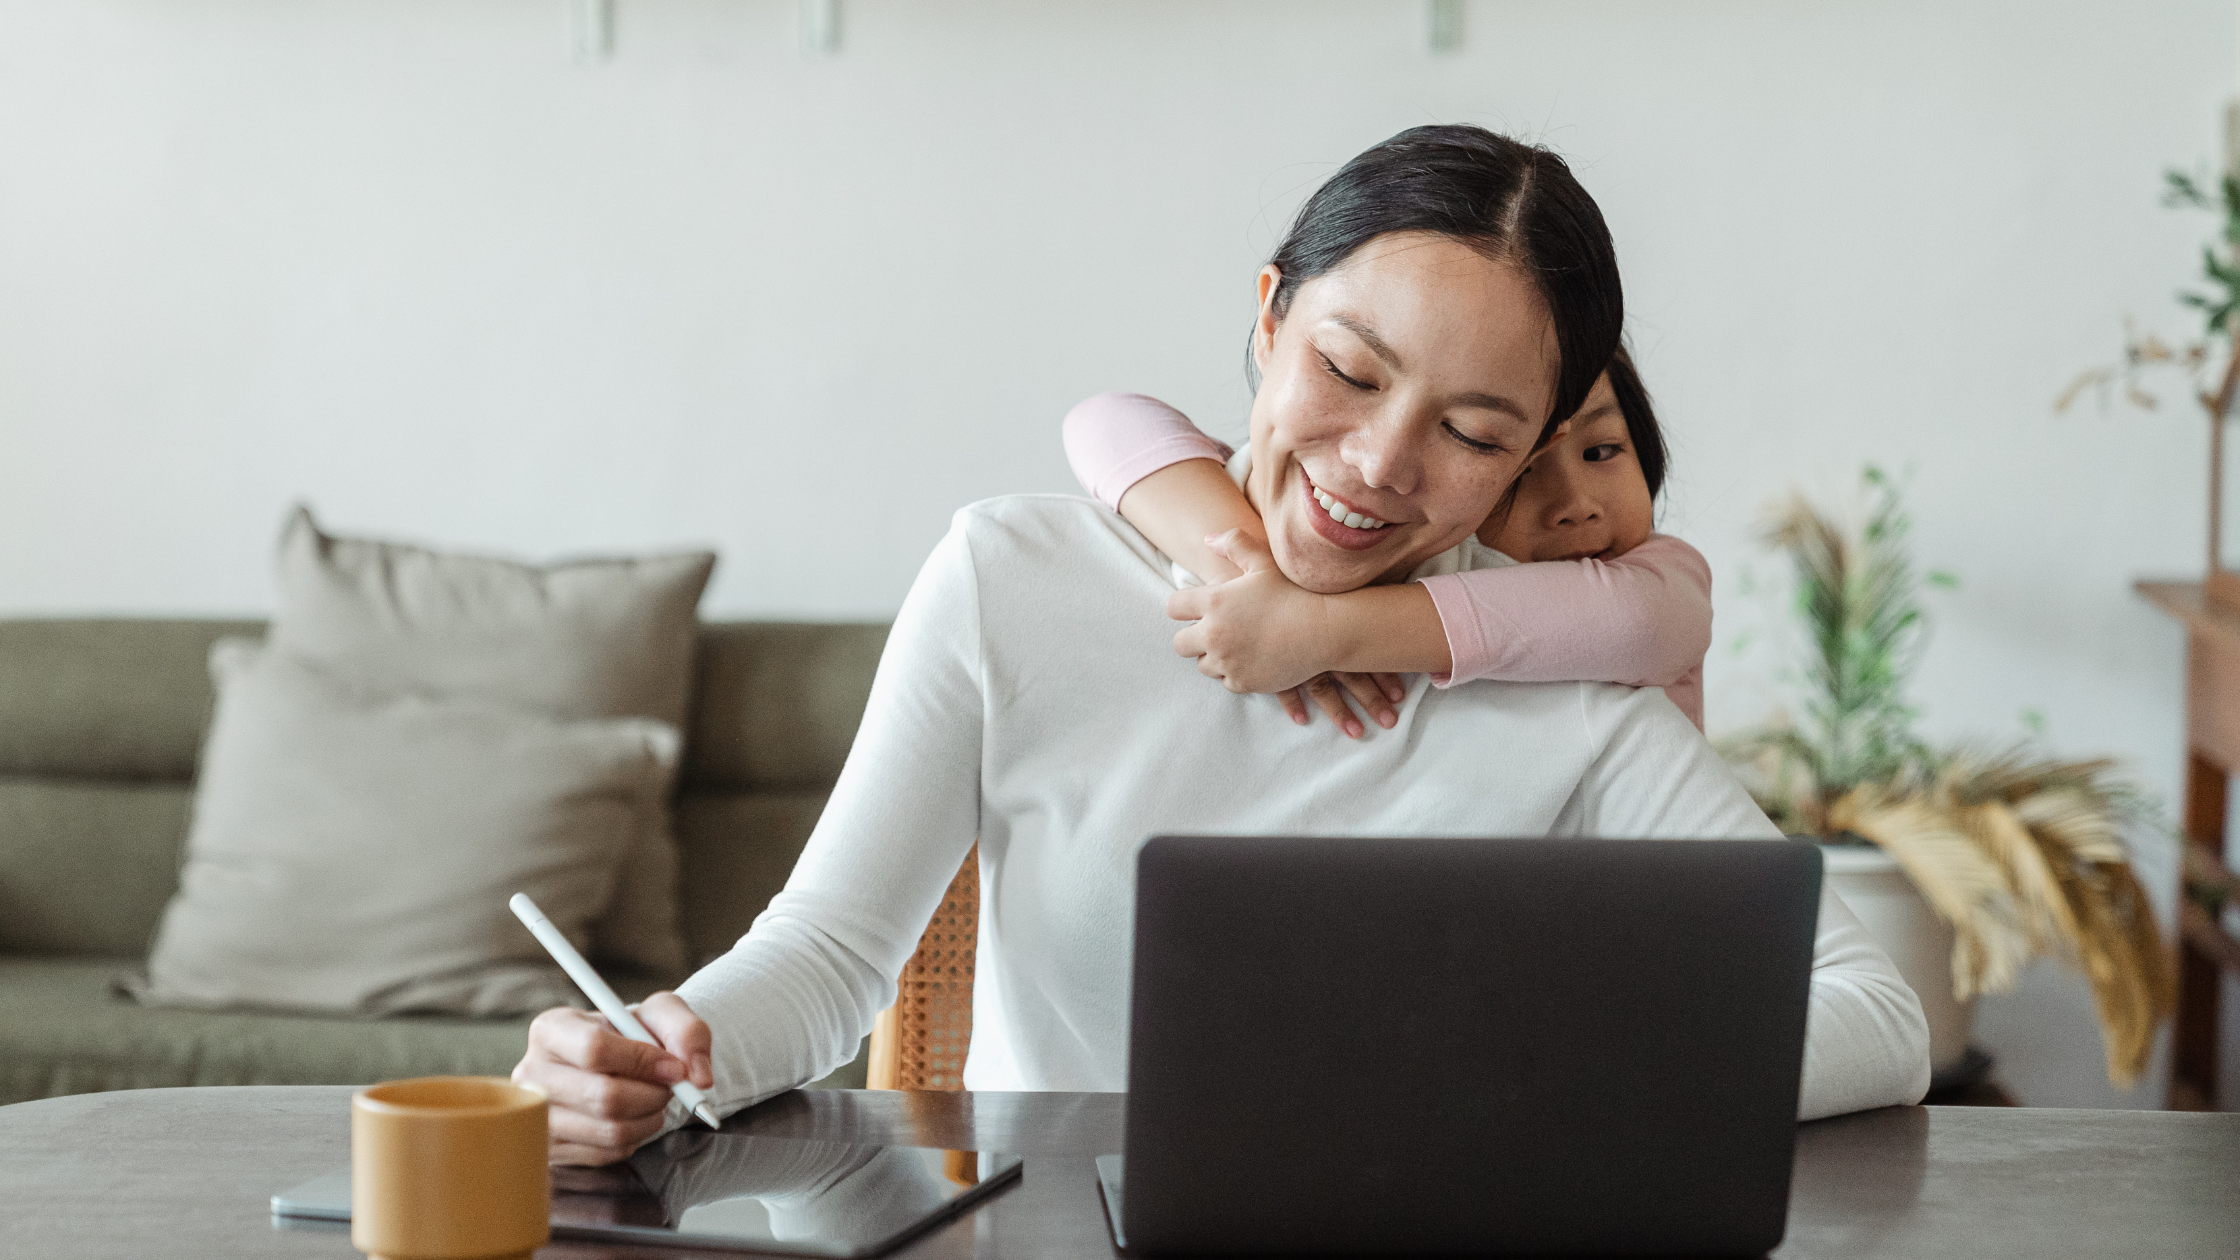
(608, 1093)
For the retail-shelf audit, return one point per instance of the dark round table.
(190, 1172)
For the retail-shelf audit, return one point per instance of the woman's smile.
(1339, 522)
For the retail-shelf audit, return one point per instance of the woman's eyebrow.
(1377, 345)
(1490, 402)
(1383, 350)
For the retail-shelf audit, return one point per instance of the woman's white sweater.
(1028, 698)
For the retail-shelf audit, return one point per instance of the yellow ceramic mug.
(449, 1168)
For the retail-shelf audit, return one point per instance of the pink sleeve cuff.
(1114, 441)
(1466, 636)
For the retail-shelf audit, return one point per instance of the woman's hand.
(1261, 632)
(608, 1092)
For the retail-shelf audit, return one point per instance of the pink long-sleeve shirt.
(1642, 618)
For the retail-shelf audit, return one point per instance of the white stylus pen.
(603, 997)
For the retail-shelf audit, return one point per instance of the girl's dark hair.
(1641, 420)
(1642, 429)
(1514, 202)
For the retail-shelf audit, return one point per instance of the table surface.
(191, 1172)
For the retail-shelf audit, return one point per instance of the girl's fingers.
(1295, 706)
(1330, 698)
(1371, 697)
(1394, 689)
(1241, 549)
(1190, 641)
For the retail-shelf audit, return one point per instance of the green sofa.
(100, 724)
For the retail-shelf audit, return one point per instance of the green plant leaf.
(2180, 190)
(1857, 599)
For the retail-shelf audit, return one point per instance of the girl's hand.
(1260, 632)
(1375, 693)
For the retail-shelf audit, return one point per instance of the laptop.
(1526, 1047)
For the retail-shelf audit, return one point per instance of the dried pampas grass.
(2025, 857)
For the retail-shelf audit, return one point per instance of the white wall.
(402, 259)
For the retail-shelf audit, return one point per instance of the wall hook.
(820, 27)
(1444, 23)
(590, 31)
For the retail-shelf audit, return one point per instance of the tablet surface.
(786, 1195)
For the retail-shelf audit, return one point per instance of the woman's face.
(1402, 392)
(1582, 497)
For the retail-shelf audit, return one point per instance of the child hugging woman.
(1595, 595)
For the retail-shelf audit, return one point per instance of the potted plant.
(1963, 862)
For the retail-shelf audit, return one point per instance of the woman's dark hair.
(1641, 420)
(1514, 202)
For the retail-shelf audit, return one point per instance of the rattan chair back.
(920, 1041)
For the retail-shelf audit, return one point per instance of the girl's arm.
(1643, 619)
(1146, 461)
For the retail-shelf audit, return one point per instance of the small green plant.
(2021, 853)
(2183, 191)
(2146, 352)
(1858, 600)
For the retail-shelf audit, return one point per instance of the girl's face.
(1400, 395)
(1583, 496)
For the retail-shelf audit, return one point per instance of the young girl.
(1596, 593)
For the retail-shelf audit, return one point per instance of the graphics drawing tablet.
(736, 1192)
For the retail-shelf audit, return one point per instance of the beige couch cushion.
(579, 639)
(352, 850)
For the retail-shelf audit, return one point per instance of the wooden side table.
(2205, 951)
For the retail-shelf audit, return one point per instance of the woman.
(1442, 304)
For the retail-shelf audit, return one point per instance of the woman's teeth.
(1344, 515)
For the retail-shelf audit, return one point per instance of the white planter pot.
(1899, 919)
